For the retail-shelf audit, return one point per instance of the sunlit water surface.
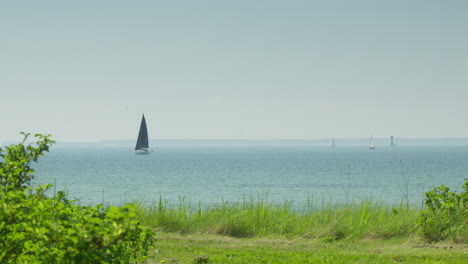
(303, 175)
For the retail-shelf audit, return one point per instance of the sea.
(207, 175)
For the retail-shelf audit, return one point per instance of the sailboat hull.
(142, 151)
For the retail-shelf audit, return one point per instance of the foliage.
(38, 229)
(15, 170)
(446, 215)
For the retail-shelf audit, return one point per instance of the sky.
(87, 70)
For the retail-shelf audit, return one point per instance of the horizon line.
(254, 139)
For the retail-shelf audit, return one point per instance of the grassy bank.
(257, 231)
(257, 218)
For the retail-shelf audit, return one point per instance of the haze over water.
(251, 70)
(208, 175)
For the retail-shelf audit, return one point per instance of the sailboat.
(391, 142)
(332, 145)
(371, 145)
(142, 144)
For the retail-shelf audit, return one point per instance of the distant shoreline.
(378, 142)
(339, 142)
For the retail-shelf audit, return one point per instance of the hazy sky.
(87, 70)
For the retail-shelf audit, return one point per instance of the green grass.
(202, 248)
(256, 218)
(257, 231)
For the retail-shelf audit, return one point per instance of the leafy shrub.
(446, 215)
(38, 229)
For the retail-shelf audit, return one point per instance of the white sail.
(371, 145)
(332, 145)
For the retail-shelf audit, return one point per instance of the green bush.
(446, 215)
(38, 229)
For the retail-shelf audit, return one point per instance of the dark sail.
(142, 142)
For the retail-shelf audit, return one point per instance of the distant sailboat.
(371, 145)
(391, 142)
(332, 145)
(142, 145)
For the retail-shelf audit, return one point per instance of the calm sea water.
(212, 175)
